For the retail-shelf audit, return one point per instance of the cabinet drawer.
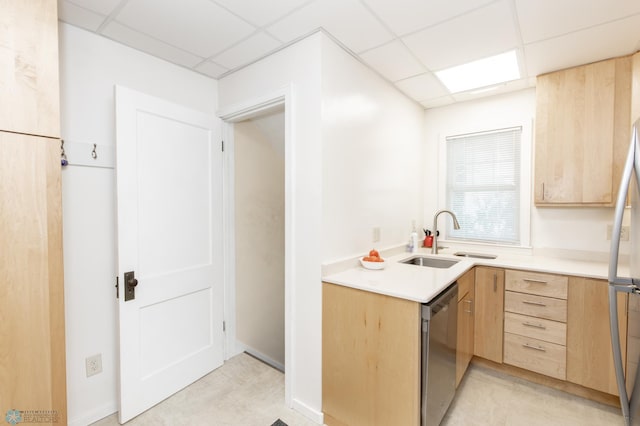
(537, 283)
(538, 328)
(535, 355)
(536, 306)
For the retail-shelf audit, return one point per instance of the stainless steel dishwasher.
(439, 336)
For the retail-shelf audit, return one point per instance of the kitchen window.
(483, 186)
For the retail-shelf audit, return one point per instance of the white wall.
(297, 67)
(563, 229)
(259, 236)
(372, 158)
(90, 66)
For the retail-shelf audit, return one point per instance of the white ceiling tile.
(422, 87)
(393, 60)
(604, 41)
(347, 20)
(197, 26)
(211, 69)
(542, 19)
(150, 45)
(103, 7)
(484, 32)
(246, 51)
(261, 13)
(406, 16)
(438, 102)
(75, 15)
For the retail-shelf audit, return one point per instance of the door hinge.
(224, 326)
(222, 143)
(117, 289)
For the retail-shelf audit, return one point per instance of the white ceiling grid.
(405, 41)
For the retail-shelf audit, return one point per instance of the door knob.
(130, 283)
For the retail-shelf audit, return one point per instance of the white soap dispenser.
(414, 241)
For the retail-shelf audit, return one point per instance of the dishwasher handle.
(440, 302)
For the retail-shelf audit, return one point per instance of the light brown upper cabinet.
(582, 133)
(29, 86)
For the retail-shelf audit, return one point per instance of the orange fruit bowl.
(373, 265)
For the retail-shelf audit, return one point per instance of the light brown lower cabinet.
(32, 342)
(589, 356)
(370, 358)
(489, 313)
(464, 349)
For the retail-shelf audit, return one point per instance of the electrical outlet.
(93, 365)
(376, 234)
(624, 232)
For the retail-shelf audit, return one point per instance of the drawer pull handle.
(532, 280)
(470, 302)
(537, 348)
(529, 324)
(528, 302)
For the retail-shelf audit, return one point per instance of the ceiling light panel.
(481, 73)
(196, 26)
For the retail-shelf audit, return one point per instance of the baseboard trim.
(94, 415)
(241, 347)
(308, 412)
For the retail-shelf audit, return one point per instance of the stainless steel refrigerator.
(629, 386)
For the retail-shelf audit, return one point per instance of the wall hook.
(94, 154)
(63, 156)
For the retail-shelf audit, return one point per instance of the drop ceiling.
(405, 41)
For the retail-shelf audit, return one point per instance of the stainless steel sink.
(429, 262)
(476, 255)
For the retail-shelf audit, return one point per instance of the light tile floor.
(246, 392)
(487, 397)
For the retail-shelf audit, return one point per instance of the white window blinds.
(483, 186)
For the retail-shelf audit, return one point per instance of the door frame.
(230, 115)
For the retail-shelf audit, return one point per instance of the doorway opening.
(259, 210)
(271, 114)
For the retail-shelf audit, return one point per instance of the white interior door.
(169, 172)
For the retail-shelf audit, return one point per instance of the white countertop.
(421, 284)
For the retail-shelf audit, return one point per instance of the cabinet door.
(29, 90)
(582, 121)
(589, 357)
(464, 350)
(32, 359)
(370, 358)
(489, 313)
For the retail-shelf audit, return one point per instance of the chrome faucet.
(456, 225)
